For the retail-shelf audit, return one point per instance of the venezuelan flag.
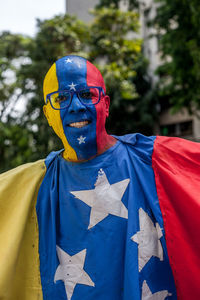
(48, 212)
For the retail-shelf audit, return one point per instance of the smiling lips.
(79, 124)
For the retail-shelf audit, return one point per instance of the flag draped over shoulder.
(19, 258)
(176, 164)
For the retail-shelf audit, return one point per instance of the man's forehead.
(73, 72)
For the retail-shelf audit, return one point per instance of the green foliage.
(110, 42)
(178, 24)
(132, 4)
(11, 48)
(15, 146)
(116, 49)
(116, 52)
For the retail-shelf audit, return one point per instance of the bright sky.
(19, 16)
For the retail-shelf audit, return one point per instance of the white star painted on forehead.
(81, 139)
(104, 199)
(72, 86)
(147, 294)
(68, 60)
(147, 239)
(70, 271)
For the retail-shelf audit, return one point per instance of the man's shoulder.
(51, 157)
(161, 147)
(164, 143)
(135, 139)
(138, 145)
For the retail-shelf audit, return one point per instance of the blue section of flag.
(111, 260)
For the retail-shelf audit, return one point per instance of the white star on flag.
(68, 60)
(147, 239)
(72, 86)
(81, 139)
(70, 271)
(147, 294)
(104, 199)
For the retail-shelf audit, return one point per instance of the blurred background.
(147, 50)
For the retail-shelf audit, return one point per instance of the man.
(106, 218)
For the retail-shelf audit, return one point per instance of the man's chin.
(87, 134)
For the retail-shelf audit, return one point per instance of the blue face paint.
(72, 75)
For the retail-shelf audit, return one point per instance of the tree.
(132, 4)
(12, 47)
(116, 48)
(14, 138)
(177, 23)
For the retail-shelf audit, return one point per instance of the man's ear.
(107, 104)
(45, 111)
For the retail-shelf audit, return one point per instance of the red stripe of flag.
(176, 164)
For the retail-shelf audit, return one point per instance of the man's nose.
(76, 105)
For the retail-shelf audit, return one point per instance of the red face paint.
(94, 78)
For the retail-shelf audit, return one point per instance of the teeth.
(79, 124)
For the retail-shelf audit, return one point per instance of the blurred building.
(180, 124)
(80, 8)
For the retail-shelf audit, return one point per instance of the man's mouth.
(79, 124)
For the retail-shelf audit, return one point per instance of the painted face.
(81, 127)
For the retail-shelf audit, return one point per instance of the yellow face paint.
(53, 116)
